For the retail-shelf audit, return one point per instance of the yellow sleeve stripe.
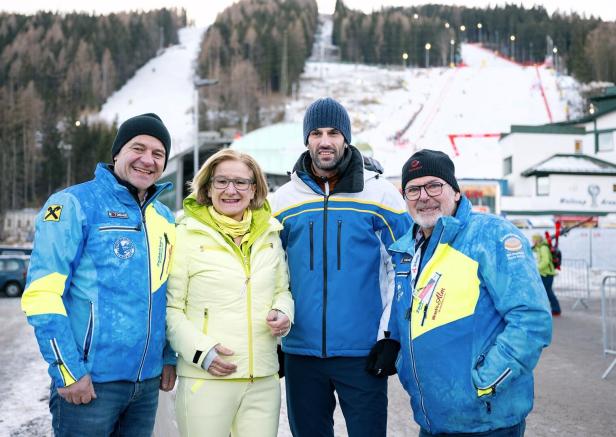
(484, 391)
(44, 296)
(66, 375)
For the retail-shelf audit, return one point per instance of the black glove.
(382, 357)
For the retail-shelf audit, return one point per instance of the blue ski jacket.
(467, 357)
(341, 274)
(96, 286)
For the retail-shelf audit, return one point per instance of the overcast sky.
(204, 11)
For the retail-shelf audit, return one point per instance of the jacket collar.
(446, 228)
(122, 189)
(199, 218)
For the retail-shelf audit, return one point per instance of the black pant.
(310, 384)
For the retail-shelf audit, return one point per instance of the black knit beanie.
(430, 163)
(327, 112)
(144, 124)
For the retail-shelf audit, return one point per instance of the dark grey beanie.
(430, 163)
(327, 112)
(144, 124)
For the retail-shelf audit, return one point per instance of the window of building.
(578, 146)
(507, 165)
(606, 141)
(543, 186)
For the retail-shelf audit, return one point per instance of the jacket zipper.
(205, 318)
(119, 228)
(162, 268)
(311, 228)
(338, 244)
(246, 265)
(324, 319)
(60, 363)
(415, 375)
(149, 291)
(88, 339)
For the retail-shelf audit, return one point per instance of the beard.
(428, 219)
(329, 164)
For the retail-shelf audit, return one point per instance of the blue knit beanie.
(327, 112)
(144, 124)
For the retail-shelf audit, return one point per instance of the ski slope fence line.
(573, 281)
(608, 319)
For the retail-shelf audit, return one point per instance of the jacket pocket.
(205, 320)
(491, 388)
(111, 228)
(87, 341)
(338, 243)
(311, 230)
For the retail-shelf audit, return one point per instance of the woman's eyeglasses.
(240, 184)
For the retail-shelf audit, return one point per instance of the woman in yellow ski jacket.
(228, 301)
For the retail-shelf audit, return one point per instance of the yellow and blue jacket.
(467, 357)
(96, 286)
(336, 242)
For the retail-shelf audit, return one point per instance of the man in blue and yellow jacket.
(469, 309)
(96, 289)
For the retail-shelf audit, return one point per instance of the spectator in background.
(228, 302)
(543, 255)
(96, 290)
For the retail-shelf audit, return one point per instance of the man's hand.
(278, 322)
(80, 392)
(167, 379)
(220, 367)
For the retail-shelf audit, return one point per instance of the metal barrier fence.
(608, 318)
(573, 280)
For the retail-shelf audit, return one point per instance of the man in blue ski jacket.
(339, 218)
(469, 310)
(96, 289)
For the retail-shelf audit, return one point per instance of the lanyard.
(424, 294)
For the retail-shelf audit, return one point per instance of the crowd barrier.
(573, 280)
(608, 319)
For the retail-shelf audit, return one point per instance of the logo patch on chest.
(124, 248)
(117, 214)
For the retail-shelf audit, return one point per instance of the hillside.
(393, 110)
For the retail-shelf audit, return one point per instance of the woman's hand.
(278, 322)
(220, 367)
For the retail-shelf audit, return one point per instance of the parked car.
(13, 271)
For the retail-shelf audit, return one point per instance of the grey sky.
(204, 11)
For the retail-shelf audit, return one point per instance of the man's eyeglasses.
(240, 184)
(433, 189)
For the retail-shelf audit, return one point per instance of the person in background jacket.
(543, 255)
(228, 301)
(469, 310)
(96, 289)
(338, 220)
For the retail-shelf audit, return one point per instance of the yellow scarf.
(232, 227)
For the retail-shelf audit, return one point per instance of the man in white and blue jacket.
(96, 290)
(469, 310)
(338, 219)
